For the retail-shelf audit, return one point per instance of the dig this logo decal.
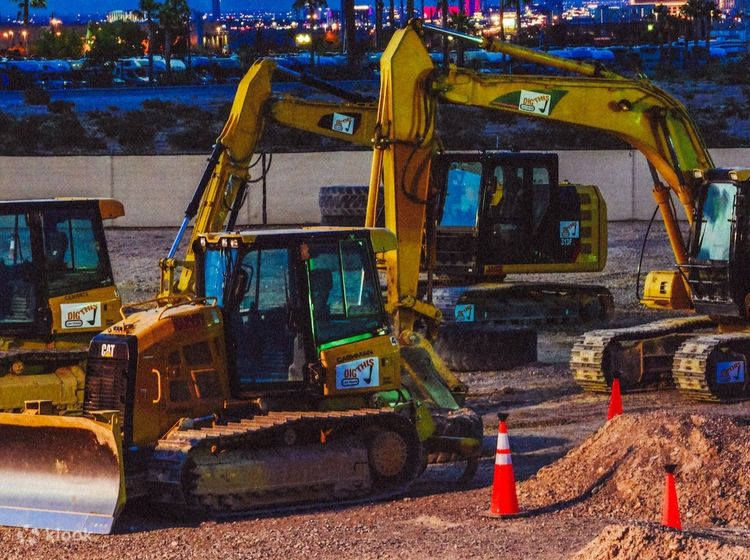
(730, 372)
(80, 315)
(343, 123)
(358, 374)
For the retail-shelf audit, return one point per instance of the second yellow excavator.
(704, 356)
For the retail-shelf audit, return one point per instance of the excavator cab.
(506, 212)
(303, 311)
(719, 253)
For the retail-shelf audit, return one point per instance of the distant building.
(362, 14)
(472, 7)
(123, 15)
(216, 10)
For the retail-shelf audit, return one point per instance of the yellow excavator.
(704, 356)
(499, 213)
(58, 291)
(270, 373)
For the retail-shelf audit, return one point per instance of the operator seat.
(56, 247)
(321, 283)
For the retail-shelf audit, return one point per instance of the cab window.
(18, 300)
(716, 226)
(74, 258)
(344, 291)
(464, 181)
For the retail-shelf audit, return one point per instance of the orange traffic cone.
(671, 517)
(615, 399)
(504, 500)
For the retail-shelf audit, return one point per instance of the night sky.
(102, 6)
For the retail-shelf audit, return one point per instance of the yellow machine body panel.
(63, 388)
(362, 367)
(666, 289)
(85, 312)
(181, 369)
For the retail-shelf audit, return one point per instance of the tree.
(173, 16)
(519, 8)
(111, 41)
(310, 6)
(461, 22)
(410, 9)
(693, 12)
(378, 24)
(24, 5)
(666, 26)
(711, 13)
(350, 32)
(66, 44)
(150, 9)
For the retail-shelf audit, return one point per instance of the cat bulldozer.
(271, 373)
(58, 292)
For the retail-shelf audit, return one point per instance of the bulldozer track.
(587, 361)
(51, 359)
(176, 473)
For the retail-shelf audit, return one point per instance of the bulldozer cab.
(303, 311)
(717, 270)
(507, 212)
(55, 268)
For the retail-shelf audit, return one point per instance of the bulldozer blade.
(60, 473)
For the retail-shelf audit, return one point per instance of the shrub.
(61, 107)
(36, 96)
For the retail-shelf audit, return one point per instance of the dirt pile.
(618, 471)
(648, 542)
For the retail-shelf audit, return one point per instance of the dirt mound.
(618, 471)
(641, 542)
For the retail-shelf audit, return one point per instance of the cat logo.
(108, 351)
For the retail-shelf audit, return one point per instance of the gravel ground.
(549, 418)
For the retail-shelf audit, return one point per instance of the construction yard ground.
(592, 489)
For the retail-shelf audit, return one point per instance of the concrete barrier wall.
(156, 189)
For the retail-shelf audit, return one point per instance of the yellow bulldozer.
(58, 291)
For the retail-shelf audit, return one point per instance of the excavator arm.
(222, 187)
(633, 110)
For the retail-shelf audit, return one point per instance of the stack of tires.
(346, 206)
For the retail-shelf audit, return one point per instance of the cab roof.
(382, 239)
(109, 208)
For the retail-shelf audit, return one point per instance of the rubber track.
(691, 360)
(586, 358)
(173, 451)
(534, 296)
(51, 358)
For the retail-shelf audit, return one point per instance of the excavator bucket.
(60, 473)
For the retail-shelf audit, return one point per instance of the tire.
(346, 206)
(485, 347)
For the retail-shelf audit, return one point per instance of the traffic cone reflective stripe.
(504, 500)
(615, 400)
(503, 459)
(671, 516)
